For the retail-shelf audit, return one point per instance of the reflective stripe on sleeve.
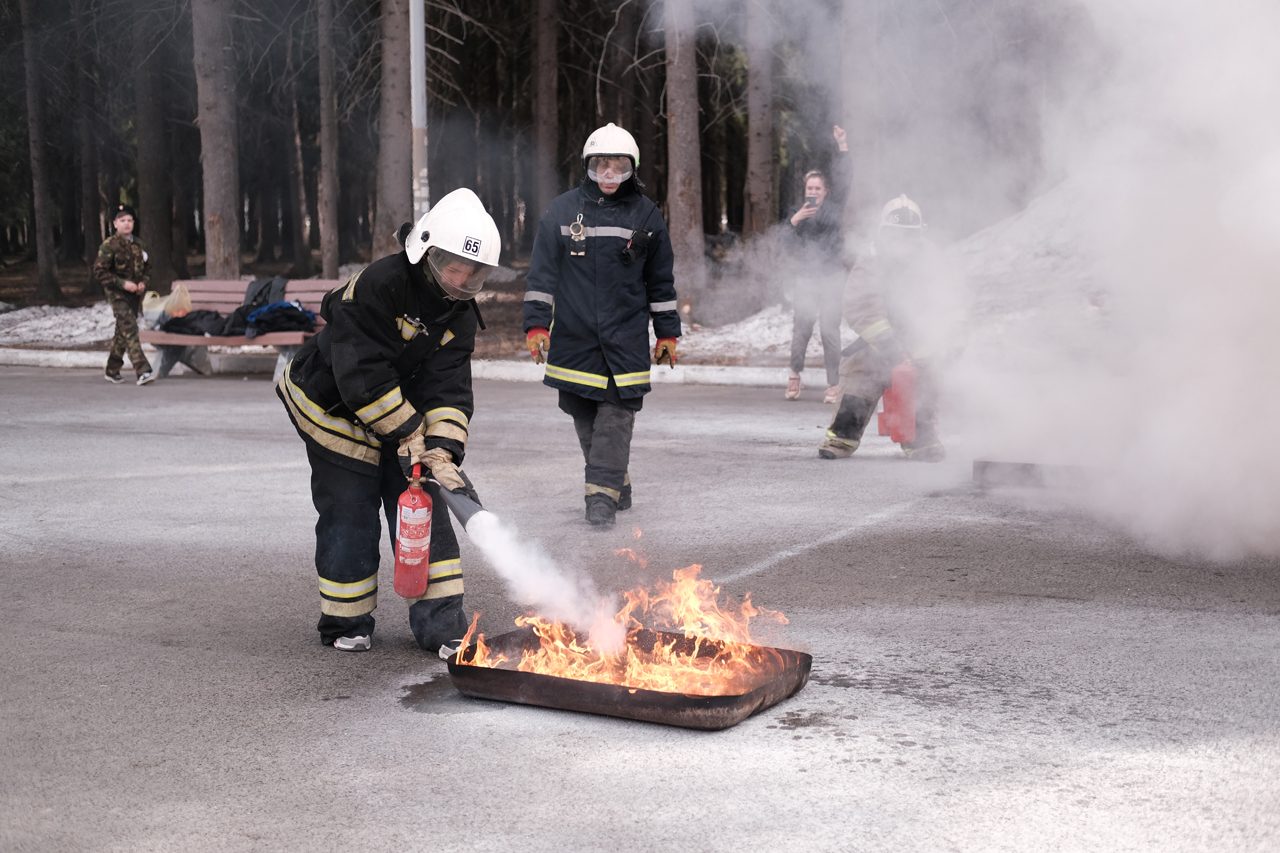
(539, 296)
(655, 307)
(380, 407)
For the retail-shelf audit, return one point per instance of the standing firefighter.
(601, 269)
(386, 384)
(123, 269)
(884, 305)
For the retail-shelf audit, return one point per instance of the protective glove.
(412, 451)
(539, 341)
(447, 474)
(665, 350)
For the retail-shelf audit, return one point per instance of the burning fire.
(706, 650)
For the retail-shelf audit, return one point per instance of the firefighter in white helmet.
(386, 383)
(883, 304)
(601, 272)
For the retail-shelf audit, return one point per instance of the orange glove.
(538, 341)
(665, 350)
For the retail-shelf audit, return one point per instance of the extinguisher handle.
(416, 479)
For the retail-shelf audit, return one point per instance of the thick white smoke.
(1134, 329)
(533, 579)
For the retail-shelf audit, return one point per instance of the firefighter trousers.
(864, 377)
(347, 552)
(604, 431)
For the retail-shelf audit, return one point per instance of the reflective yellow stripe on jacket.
(332, 433)
(578, 377)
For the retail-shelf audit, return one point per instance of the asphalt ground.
(991, 671)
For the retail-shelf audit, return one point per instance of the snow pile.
(56, 327)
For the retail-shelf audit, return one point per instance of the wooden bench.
(225, 297)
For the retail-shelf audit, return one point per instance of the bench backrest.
(226, 296)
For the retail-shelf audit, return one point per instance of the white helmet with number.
(461, 243)
(611, 141)
(901, 212)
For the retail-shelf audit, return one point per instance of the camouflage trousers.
(126, 339)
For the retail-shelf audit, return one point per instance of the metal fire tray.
(710, 713)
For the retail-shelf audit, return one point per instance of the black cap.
(124, 210)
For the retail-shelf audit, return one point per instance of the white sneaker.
(449, 649)
(146, 378)
(361, 643)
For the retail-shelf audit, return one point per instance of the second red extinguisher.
(413, 539)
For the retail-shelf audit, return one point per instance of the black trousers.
(604, 429)
(347, 552)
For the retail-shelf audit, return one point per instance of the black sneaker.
(601, 510)
(113, 378)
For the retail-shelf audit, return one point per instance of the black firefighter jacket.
(600, 301)
(394, 353)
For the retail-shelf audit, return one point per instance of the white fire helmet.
(461, 243)
(901, 212)
(611, 140)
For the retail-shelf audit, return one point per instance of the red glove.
(539, 341)
(665, 350)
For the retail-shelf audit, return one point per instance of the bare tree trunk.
(153, 167)
(46, 264)
(302, 266)
(546, 126)
(684, 174)
(327, 187)
(216, 95)
(89, 205)
(183, 141)
(395, 131)
(760, 210)
(861, 108)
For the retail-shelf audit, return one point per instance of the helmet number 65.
(471, 246)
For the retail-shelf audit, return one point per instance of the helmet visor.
(459, 277)
(609, 168)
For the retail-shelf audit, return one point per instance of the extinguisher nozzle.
(462, 507)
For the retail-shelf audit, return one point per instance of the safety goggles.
(609, 170)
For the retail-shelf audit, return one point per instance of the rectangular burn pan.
(787, 674)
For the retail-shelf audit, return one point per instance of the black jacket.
(394, 353)
(598, 304)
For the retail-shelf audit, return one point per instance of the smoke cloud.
(533, 579)
(1125, 322)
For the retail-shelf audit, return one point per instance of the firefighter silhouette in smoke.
(123, 269)
(601, 271)
(384, 385)
(881, 299)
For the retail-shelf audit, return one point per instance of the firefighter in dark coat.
(123, 269)
(601, 270)
(384, 385)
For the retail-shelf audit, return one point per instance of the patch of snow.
(57, 327)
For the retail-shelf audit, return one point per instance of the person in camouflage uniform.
(123, 269)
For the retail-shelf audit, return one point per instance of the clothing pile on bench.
(264, 310)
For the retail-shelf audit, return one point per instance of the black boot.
(601, 510)
(846, 430)
(624, 498)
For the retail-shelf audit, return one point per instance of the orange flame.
(708, 650)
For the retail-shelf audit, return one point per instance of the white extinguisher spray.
(413, 539)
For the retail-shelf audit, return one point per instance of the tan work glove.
(447, 474)
(665, 350)
(412, 450)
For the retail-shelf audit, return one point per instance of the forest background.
(274, 136)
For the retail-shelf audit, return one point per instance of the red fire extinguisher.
(413, 539)
(898, 420)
